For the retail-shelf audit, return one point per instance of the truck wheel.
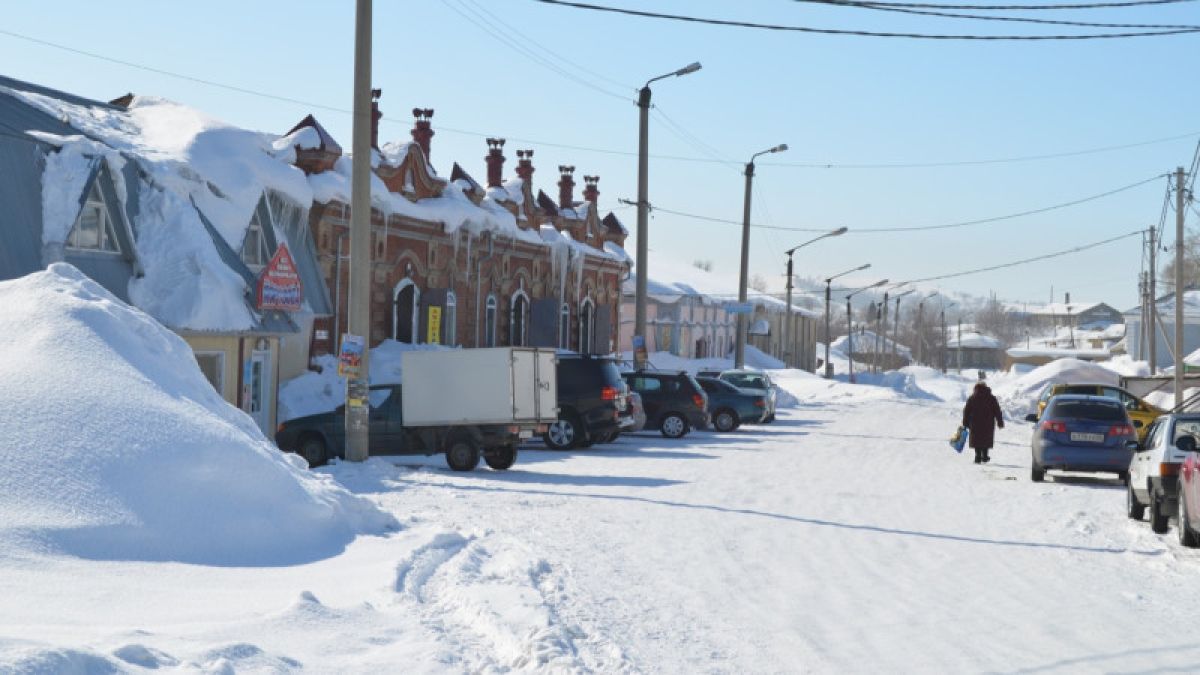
(564, 433)
(1159, 520)
(674, 426)
(501, 458)
(312, 449)
(1133, 508)
(462, 453)
(725, 420)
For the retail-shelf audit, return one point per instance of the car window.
(1154, 435)
(1079, 389)
(1186, 428)
(1101, 411)
(710, 386)
(646, 384)
(746, 380)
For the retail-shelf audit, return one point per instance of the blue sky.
(832, 99)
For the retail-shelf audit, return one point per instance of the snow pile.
(867, 342)
(1127, 366)
(324, 390)
(915, 382)
(118, 448)
(1019, 396)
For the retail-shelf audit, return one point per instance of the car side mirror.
(1031, 417)
(1186, 443)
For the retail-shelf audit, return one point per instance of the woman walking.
(982, 415)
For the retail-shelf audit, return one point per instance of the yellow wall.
(229, 346)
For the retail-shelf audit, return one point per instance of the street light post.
(787, 325)
(921, 355)
(896, 326)
(828, 309)
(850, 324)
(643, 239)
(945, 336)
(739, 356)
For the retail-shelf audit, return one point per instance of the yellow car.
(1140, 412)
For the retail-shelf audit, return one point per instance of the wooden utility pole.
(359, 309)
(1179, 288)
(1151, 310)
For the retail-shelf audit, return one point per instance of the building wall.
(236, 353)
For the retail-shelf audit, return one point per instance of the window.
(586, 315)
(564, 326)
(212, 364)
(254, 246)
(518, 319)
(405, 315)
(93, 229)
(489, 322)
(450, 321)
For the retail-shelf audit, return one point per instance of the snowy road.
(846, 537)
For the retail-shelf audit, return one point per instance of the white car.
(1154, 470)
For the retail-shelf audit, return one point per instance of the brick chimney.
(495, 162)
(375, 117)
(525, 165)
(566, 186)
(590, 191)
(422, 133)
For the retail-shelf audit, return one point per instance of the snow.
(118, 449)
(867, 342)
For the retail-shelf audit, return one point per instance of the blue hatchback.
(1082, 433)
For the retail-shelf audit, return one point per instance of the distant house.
(1096, 315)
(973, 349)
(868, 347)
(1136, 343)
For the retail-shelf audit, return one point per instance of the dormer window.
(254, 246)
(93, 229)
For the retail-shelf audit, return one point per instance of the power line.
(1047, 256)
(1016, 19)
(860, 33)
(981, 221)
(918, 5)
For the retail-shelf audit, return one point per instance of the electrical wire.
(919, 5)
(1019, 19)
(1025, 261)
(860, 33)
(864, 230)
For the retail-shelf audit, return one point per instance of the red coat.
(981, 415)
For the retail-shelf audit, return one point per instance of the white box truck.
(465, 403)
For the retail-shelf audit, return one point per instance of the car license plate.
(526, 433)
(1086, 438)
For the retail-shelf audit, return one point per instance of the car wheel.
(1187, 536)
(1159, 519)
(462, 453)
(1037, 474)
(312, 449)
(725, 420)
(1123, 476)
(674, 426)
(564, 433)
(501, 458)
(769, 418)
(1133, 508)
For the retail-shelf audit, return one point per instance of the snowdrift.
(117, 448)
(1019, 395)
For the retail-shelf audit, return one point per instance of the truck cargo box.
(498, 385)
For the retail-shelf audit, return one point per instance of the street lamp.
(881, 327)
(739, 356)
(921, 326)
(850, 324)
(643, 241)
(787, 326)
(896, 324)
(945, 336)
(828, 305)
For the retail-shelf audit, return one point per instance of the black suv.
(591, 397)
(675, 403)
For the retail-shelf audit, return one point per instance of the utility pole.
(850, 338)
(787, 324)
(1151, 301)
(359, 309)
(943, 358)
(739, 350)
(1179, 289)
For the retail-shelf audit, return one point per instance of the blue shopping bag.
(959, 440)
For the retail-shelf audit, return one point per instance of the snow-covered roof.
(1057, 353)
(867, 341)
(972, 340)
(1062, 308)
(671, 281)
(1166, 307)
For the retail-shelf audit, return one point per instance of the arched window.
(518, 319)
(489, 322)
(587, 313)
(564, 326)
(450, 320)
(405, 312)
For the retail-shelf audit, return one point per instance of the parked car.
(1082, 433)
(755, 381)
(591, 396)
(1140, 412)
(1188, 501)
(633, 417)
(730, 407)
(675, 402)
(1154, 471)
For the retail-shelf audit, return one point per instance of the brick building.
(549, 275)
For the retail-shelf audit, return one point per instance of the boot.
(978, 458)
(986, 458)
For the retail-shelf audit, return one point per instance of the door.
(547, 381)
(651, 391)
(257, 390)
(524, 384)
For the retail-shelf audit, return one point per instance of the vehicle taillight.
(280, 427)
(1168, 470)
(698, 400)
(760, 403)
(1120, 430)
(609, 394)
(1054, 425)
